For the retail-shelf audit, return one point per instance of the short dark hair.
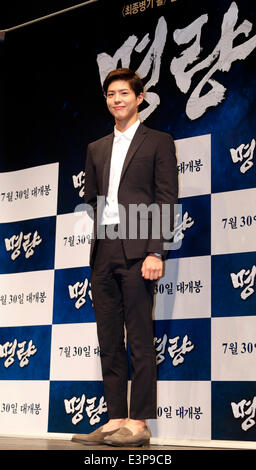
(133, 78)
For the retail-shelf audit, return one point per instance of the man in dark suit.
(133, 168)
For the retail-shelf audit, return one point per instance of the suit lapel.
(135, 143)
(137, 140)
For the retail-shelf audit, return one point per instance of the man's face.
(122, 101)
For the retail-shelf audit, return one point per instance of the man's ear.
(140, 98)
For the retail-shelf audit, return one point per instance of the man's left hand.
(152, 267)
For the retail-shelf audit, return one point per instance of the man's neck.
(122, 126)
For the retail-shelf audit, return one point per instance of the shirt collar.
(128, 134)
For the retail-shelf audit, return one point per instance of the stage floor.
(26, 443)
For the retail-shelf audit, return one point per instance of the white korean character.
(221, 59)
(75, 405)
(160, 349)
(240, 412)
(14, 244)
(8, 349)
(24, 355)
(244, 152)
(92, 412)
(28, 246)
(177, 353)
(79, 182)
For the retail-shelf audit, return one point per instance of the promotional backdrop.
(197, 60)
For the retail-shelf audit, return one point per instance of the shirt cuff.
(156, 254)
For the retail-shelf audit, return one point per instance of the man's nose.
(117, 98)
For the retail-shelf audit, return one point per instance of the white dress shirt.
(121, 144)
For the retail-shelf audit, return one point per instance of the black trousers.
(121, 296)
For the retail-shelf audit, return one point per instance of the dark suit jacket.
(149, 175)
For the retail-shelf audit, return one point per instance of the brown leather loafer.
(124, 437)
(96, 437)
